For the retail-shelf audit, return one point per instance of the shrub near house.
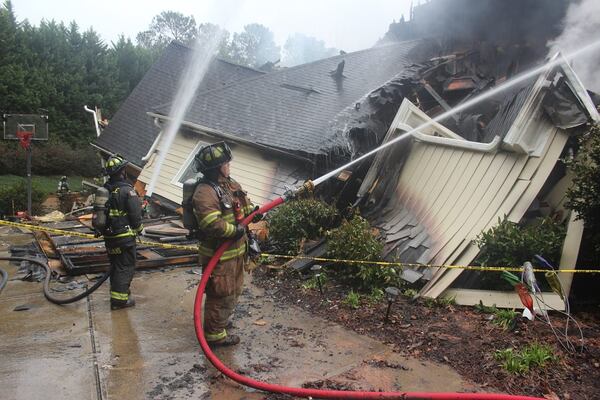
(356, 240)
(510, 244)
(298, 220)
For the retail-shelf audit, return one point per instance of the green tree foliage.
(166, 27)
(584, 195)
(132, 62)
(301, 49)
(254, 46)
(57, 69)
(298, 220)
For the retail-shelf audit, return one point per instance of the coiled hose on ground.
(47, 294)
(314, 393)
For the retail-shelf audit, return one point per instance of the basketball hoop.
(25, 138)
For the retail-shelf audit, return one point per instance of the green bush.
(584, 195)
(297, 220)
(355, 240)
(16, 195)
(49, 159)
(510, 244)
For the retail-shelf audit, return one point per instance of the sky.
(348, 25)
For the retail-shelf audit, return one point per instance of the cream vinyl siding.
(262, 178)
(455, 193)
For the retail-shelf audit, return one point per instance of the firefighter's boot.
(118, 304)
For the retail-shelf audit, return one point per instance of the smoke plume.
(581, 26)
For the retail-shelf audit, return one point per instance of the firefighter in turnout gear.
(124, 223)
(215, 201)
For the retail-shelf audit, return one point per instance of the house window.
(188, 170)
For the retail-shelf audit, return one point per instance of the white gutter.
(456, 143)
(85, 107)
(155, 143)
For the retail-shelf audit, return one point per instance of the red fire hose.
(302, 392)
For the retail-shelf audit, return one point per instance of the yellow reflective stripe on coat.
(229, 218)
(229, 230)
(119, 296)
(228, 255)
(117, 213)
(213, 337)
(209, 219)
(120, 235)
(248, 209)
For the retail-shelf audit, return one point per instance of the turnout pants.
(222, 292)
(122, 267)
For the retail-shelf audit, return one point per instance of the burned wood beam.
(82, 266)
(439, 99)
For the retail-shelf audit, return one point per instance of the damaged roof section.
(433, 192)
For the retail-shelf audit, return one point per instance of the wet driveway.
(85, 351)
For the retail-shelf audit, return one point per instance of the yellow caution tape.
(403, 264)
(321, 259)
(91, 236)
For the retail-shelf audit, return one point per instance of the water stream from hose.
(202, 55)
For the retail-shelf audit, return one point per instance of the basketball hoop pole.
(25, 142)
(29, 181)
(26, 128)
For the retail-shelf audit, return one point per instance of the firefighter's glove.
(258, 216)
(239, 232)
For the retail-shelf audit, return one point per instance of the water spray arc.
(309, 186)
(202, 55)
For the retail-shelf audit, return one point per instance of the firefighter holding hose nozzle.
(219, 203)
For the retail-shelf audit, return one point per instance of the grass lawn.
(47, 184)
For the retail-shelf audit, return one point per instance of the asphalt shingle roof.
(131, 131)
(292, 109)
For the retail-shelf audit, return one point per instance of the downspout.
(156, 141)
(93, 112)
(95, 119)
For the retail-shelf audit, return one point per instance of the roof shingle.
(131, 131)
(292, 109)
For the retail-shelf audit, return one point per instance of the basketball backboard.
(16, 124)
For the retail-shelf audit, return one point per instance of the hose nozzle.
(306, 188)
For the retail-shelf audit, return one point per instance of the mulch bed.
(458, 335)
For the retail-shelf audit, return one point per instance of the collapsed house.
(432, 193)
